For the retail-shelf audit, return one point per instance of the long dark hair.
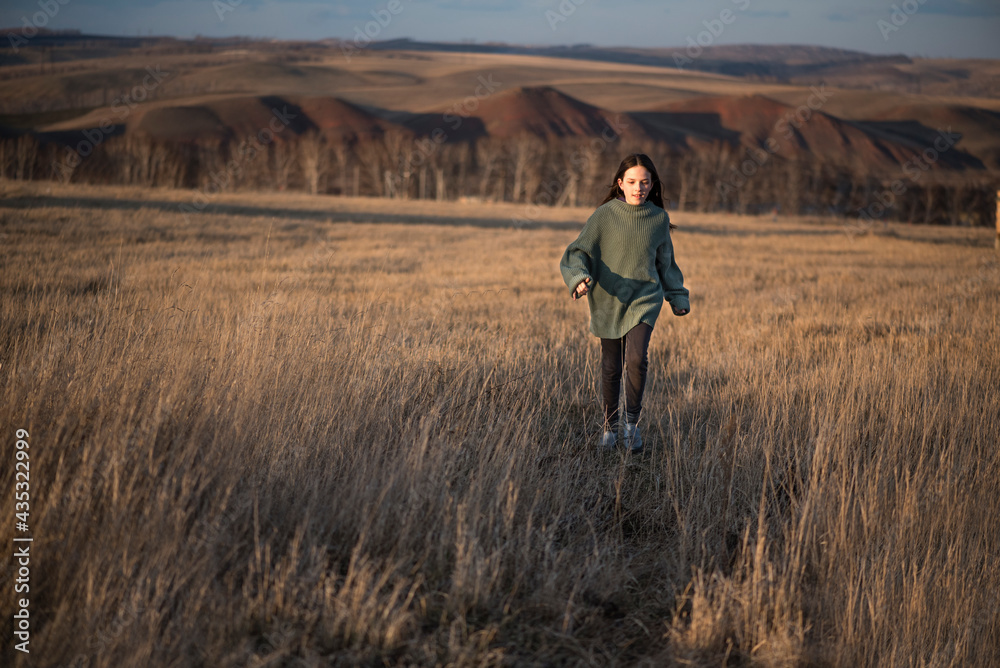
(655, 192)
(636, 160)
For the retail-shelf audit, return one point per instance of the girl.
(623, 261)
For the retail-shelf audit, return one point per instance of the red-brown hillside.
(980, 128)
(797, 132)
(545, 112)
(241, 117)
(340, 120)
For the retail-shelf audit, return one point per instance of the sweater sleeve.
(577, 261)
(671, 279)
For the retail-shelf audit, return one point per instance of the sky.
(921, 28)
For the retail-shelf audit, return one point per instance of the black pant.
(630, 351)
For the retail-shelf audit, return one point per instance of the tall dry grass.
(279, 441)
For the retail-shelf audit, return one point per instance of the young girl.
(623, 261)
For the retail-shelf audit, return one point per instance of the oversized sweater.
(626, 250)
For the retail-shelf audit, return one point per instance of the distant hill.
(784, 63)
(759, 122)
(921, 124)
(796, 64)
(779, 61)
(545, 112)
(55, 46)
(507, 113)
(240, 117)
(540, 112)
(61, 52)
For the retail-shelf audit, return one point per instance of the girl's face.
(636, 184)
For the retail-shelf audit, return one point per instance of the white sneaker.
(633, 439)
(608, 440)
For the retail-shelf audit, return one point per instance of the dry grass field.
(298, 431)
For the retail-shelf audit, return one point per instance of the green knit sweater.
(626, 250)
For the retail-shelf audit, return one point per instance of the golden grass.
(277, 440)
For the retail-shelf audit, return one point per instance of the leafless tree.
(211, 166)
(714, 165)
(25, 152)
(170, 164)
(526, 152)
(283, 161)
(398, 147)
(488, 153)
(956, 200)
(340, 153)
(929, 202)
(458, 155)
(371, 157)
(793, 187)
(6, 155)
(686, 172)
(254, 168)
(314, 160)
(135, 156)
(569, 193)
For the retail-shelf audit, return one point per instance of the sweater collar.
(633, 207)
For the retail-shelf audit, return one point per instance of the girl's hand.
(582, 288)
(682, 311)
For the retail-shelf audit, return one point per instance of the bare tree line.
(557, 172)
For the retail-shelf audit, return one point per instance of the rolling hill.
(798, 133)
(921, 124)
(545, 112)
(379, 100)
